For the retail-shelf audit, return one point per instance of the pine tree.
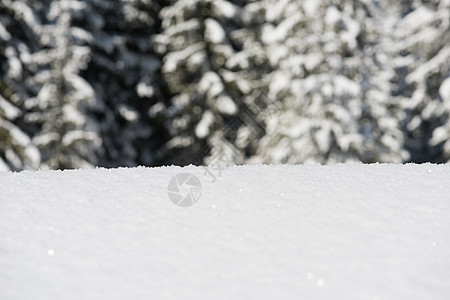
(333, 93)
(203, 67)
(124, 71)
(17, 24)
(422, 67)
(143, 82)
(88, 77)
(67, 136)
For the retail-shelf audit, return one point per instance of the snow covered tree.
(87, 78)
(17, 23)
(201, 43)
(17, 152)
(52, 100)
(67, 136)
(421, 59)
(147, 82)
(333, 93)
(124, 72)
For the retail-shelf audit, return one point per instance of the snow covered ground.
(257, 232)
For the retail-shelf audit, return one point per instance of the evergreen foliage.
(145, 82)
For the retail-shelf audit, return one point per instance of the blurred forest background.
(142, 82)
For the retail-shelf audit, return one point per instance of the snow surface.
(258, 232)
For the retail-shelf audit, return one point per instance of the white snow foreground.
(257, 232)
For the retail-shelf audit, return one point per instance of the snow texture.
(257, 232)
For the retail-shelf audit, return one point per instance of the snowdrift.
(250, 232)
